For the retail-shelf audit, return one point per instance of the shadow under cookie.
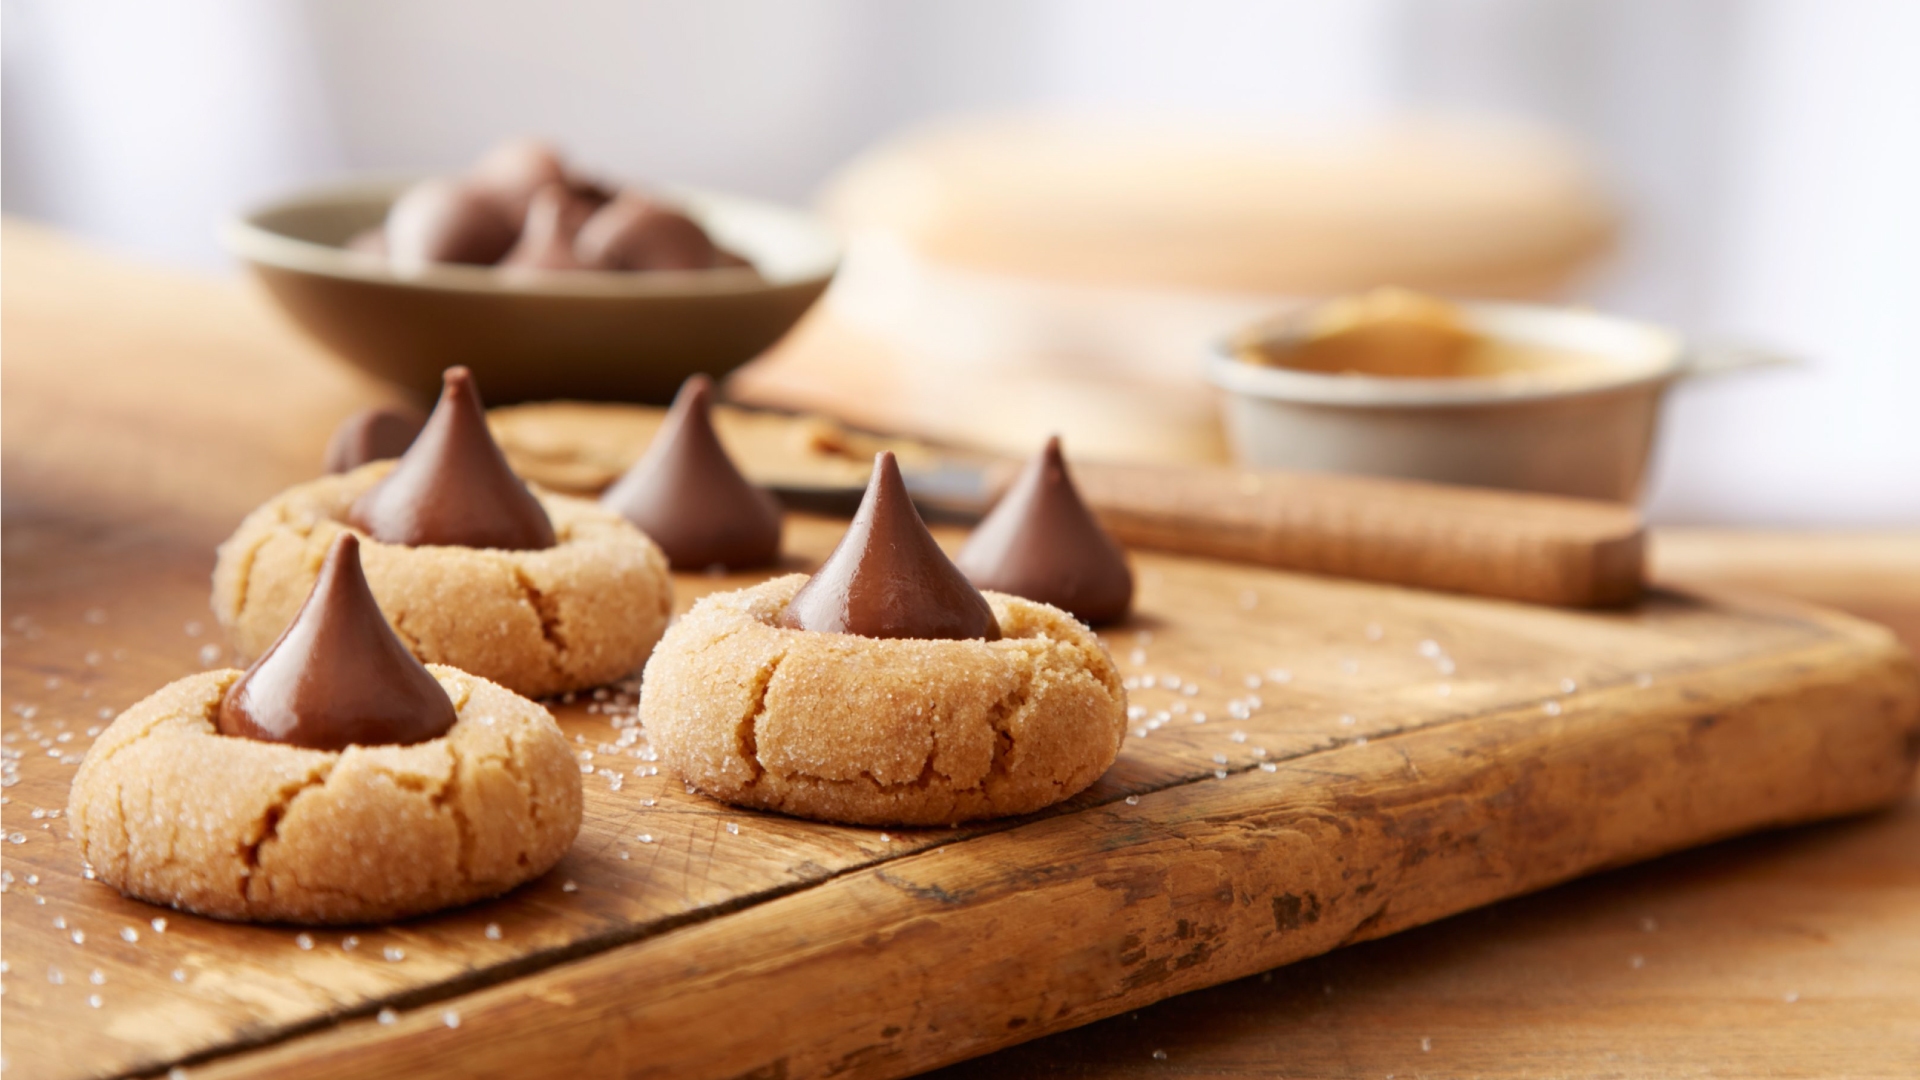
(584, 612)
(876, 731)
(168, 810)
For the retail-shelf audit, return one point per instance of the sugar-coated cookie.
(865, 730)
(168, 810)
(583, 612)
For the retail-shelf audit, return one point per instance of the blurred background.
(1739, 169)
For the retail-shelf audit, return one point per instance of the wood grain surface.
(144, 414)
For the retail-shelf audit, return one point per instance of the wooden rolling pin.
(1542, 549)
(1538, 548)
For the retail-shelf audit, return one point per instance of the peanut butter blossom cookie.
(538, 592)
(337, 780)
(885, 689)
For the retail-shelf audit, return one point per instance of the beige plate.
(578, 334)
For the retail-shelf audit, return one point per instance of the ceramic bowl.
(578, 334)
(1587, 432)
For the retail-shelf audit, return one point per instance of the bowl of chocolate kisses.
(544, 282)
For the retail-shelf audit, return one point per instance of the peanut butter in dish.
(1401, 334)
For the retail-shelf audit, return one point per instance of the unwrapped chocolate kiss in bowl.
(531, 333)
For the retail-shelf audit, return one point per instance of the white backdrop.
(1768, 151)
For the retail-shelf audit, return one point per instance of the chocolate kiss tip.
(453, 486)
(888, 578)
(337, 676)
(1041, 542)
(686, 494)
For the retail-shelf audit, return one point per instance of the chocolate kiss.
(373, 435)
(553, 221)
(687, 495)
(887, 578)
(444, 221)
(452, 486)
(1041, 542)
(634, 232)
(337, 676)
(515, 169)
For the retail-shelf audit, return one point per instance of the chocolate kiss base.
(453, 486)
(338, 676)
(887, 578)
(688, 497)
(1040, 541)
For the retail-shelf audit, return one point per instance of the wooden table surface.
(1781, 954)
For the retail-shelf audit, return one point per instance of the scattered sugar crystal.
(565, 886)
(885, 838)
(193, 628)
(1252, 681)
(1133, 800)
(450, 1018)
(79, 937)
(1552, 708)
(349, 943)
(1429, 648)
(105, 712)
(180, 975)
(1219, 774)
(159, 926)
(493, 931)
(1219, 759)
(1254, 702)
(93, 731)
(97, 977)
(1568, 686)
(55, 977)
(393, 954)
(1199, 718)
(733, 828)
(1347, 720)
(128, 933)
(1130, 683)
(1444, 666)
(16, 838)
(59, 922)
(1136, 712)
(1636, 961)
(1259, 751)
(1238, 736)
(1159, 1055)
(387, 1016)
(304, 941)
(648, 802)
(95, 1000)
(1137, 657)
(1791, 996)
(1268, 766)
(1279, 675)
(1147, 682)
(1171, 682)
(1426, 1044)
(177, 1073)
(209, 654)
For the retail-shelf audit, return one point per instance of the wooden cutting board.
(1422, 754)
(1370, 759)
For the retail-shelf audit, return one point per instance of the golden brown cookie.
(169, 810)
(882, 731)
(583, 612)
